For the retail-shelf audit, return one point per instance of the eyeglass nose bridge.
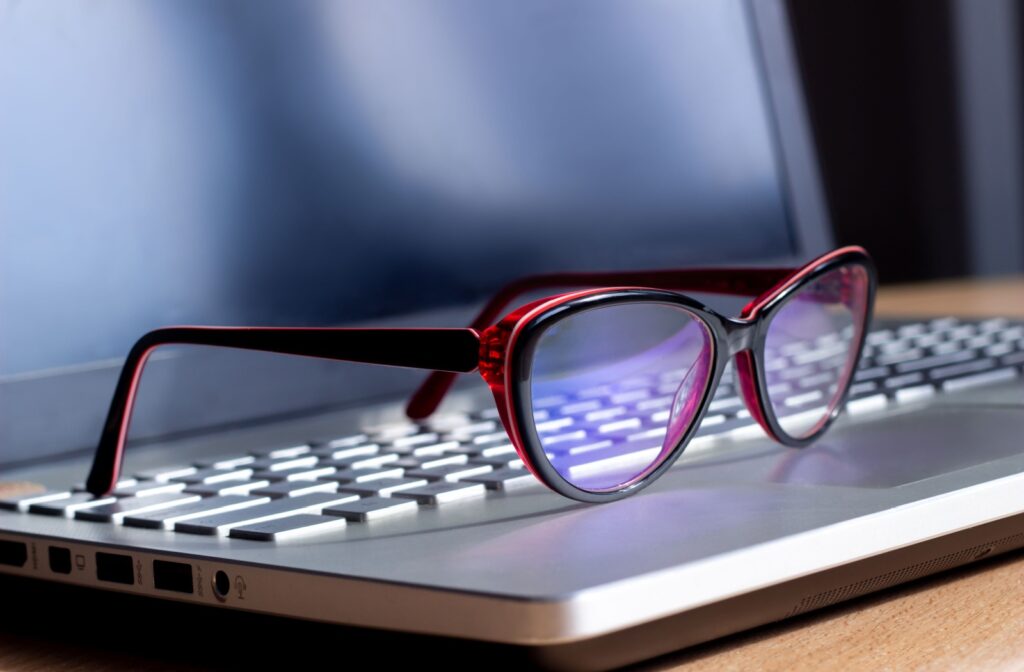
(740, 334)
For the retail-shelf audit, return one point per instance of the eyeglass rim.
(528, 324)
(764, 311)
(519, 393)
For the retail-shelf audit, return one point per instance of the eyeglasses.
(600, 389)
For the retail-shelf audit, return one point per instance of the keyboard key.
(303, 473)
(364, 475)
(208, 506)
(371, 508)
(719, 405)
(899, 357)
(654, 404)
(628, 454)
(225, 462)
(493, 413)
(935, 361)
(498, 451)
(978, 379)
(504, 479)
(430, 462)
(165, 473)
(391, 431)
(67, 506)
(475, 428)
(282, 529)
(295, 488)
(862, 389)
(629, 397)
(115, 512)
(553, 425)
(804, 399)
(916, 393)
(946, 348)
(22, 502)
(282, 452)
(434, 448)
(496, 437)
(872, 373)
(881, 336)
(147, 488)
(123, 483)
(579, 446)
(450, 472)
(222, 523)
(404, 444)
(341, 452)
(1012, 359)
(211, 475)
(501, 461)
(445, 422)
(914, 329)
(725, 427)
(282, 463)
(817, 380)
(867, 404)
(443, 491)
(962, 369)
(904, 381)
(578, 407)
(383, 487)
(998, 350)
(343, 442)
(361, 461)
(227, 487)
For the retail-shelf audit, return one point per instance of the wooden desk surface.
(972, 618)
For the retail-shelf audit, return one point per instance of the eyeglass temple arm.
(733, 281)
(452, 350)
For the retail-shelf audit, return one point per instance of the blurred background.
(916, 111)
(229, 162)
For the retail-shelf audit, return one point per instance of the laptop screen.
(329, 162)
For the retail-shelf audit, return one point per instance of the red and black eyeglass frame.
(500, 351)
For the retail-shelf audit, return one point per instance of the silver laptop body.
(739, 533)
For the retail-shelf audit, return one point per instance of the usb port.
(60, 560)
(13, 553)
(176, 576)
(115, 568)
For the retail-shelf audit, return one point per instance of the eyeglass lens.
(615, 388)
(810, 348)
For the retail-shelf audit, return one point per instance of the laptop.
(360, 163)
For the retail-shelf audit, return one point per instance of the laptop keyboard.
(449, 460)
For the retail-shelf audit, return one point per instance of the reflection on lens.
(615, 388)
(810, 348)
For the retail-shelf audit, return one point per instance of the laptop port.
(221, 584)
(13, 553)
(60, 560)
(176, 576)
(115, 568)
